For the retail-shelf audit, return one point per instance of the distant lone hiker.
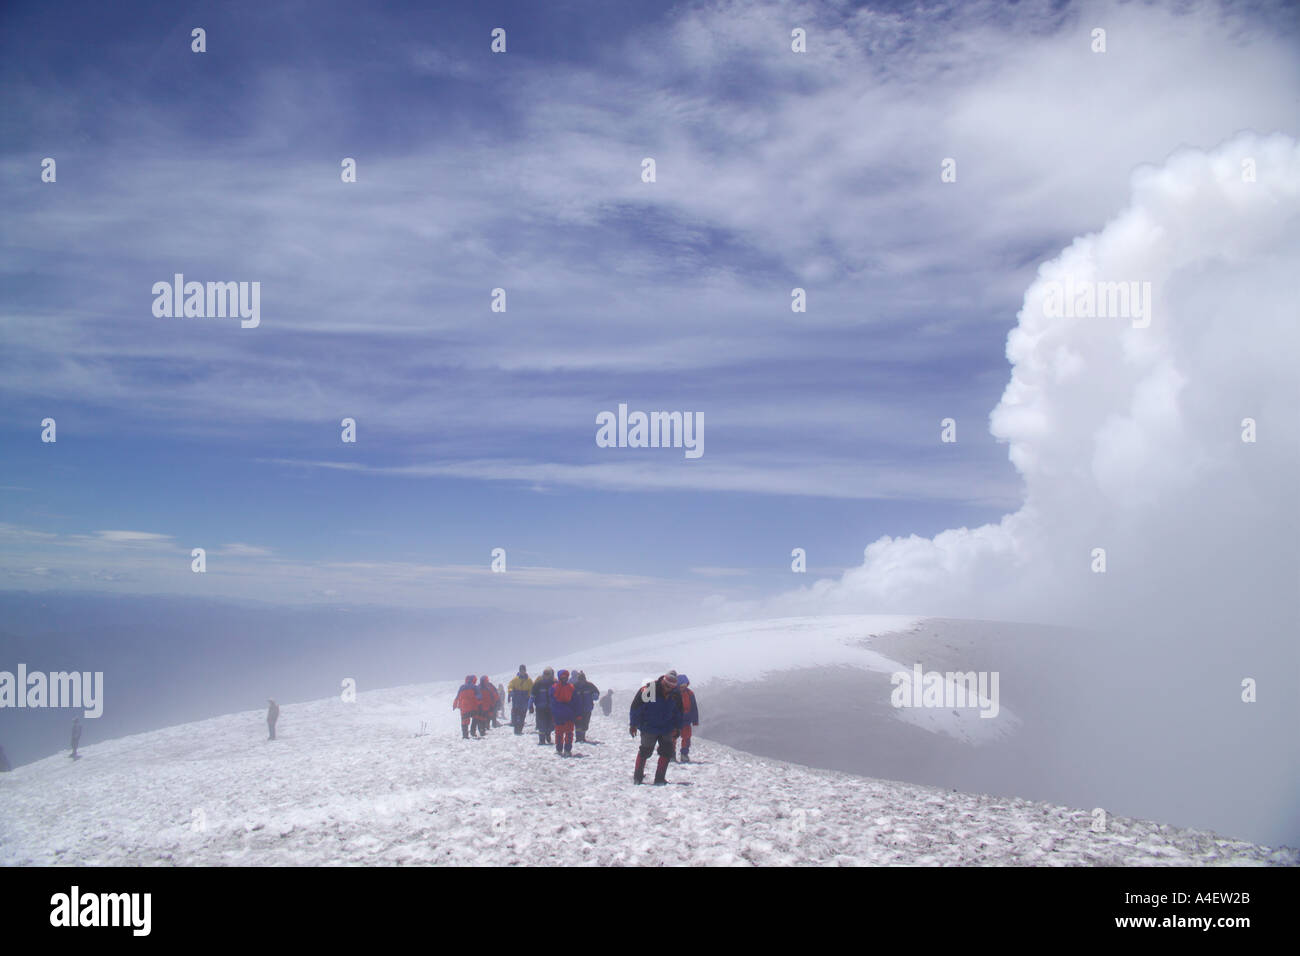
(5, 766)
(272, 715)
(607, 703)
(76, 736)
(656, 712)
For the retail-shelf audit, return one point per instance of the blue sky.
(522, 171)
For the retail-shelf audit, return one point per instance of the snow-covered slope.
(353, 783)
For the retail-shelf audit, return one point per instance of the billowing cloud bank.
(1127, 430)
(1129, 437)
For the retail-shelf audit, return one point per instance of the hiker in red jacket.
(690, 715)
(467, 702)
(564, 708)
(488, 705)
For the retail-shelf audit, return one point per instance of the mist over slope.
(169, 660)
(818, 691)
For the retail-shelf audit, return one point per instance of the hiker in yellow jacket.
(520, 690)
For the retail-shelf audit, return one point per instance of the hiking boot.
(661, 771)
(685, 758)
(638, 777)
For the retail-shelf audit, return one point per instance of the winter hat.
(469, 678)
(580, 675)
(682, 680)
(523, 671)
(484, 679)
(563, 675)
(670, 679)
(549, 672)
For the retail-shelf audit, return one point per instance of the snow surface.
(355, 783)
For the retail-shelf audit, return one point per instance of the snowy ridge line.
(352, 783)
(742, 650)
(754, 649)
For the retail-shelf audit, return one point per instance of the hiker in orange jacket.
(467, 702)
(487, 714)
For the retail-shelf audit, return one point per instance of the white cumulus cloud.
(1127, 433)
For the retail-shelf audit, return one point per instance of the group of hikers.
(663, 712)
(479, 702)
(561, 703)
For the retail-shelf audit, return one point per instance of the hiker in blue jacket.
(656, 712)
(542, 705)
(587, 693)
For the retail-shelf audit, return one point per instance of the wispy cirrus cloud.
(144, 562)
(667, 470)
(146, 538)
(822, 173)
(240, 550)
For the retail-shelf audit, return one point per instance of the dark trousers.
(518, 713)
(581, 724)
(545, 723)
(648, 743)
